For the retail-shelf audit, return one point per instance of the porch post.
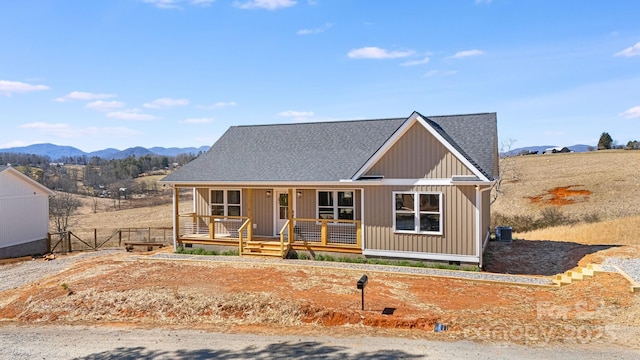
(250, 214)
(290, 215)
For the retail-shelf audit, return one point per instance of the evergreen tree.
(605, 141)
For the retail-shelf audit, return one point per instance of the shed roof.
(27, 179)
(326, 151)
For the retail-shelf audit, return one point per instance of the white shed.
(24, 214)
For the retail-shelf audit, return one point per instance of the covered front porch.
(271, 220)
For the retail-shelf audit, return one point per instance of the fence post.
(48, 242)
(119, 237)
(95, 239)
(69, 241)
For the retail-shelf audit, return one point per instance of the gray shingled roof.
(324, 151)
(475, 136)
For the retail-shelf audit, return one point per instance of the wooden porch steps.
(264, 248)
(577, 274)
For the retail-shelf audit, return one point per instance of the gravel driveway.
(19, 274)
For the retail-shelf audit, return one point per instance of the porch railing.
(241, 231)
(212, 226)
(284, 232)
(317, 232)
(328, 232)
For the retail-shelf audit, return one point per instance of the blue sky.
(122, 73)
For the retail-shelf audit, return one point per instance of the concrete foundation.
(38, 247)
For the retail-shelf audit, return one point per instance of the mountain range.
(58, 152)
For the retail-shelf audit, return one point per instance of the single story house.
(557, 149)
(24, 214)
(415, 187)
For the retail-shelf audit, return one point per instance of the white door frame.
(276, 207)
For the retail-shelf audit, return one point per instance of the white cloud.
(164, 4)
(373, 52)
(296, 114)
(66, 131)
(204, 3)
(10, 87)
(85, 96)
(265, 4)
(317, 30)
(130, 114)
(433, 73)
(483, 1)
(217, 105)
(630, 51)
(164, 103)
(467, 53)
(175, 4)
(100, 105)
(416, 62)
(632, 113)
(197, 121)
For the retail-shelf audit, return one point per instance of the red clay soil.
(564, 195)
(285, 299)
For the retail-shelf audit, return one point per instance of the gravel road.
(81, 342)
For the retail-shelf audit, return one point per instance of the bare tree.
(61, 207)
(509, 170)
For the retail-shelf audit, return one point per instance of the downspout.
(175, 217)
(479, 243)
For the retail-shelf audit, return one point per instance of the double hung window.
(226, 203)
(417, 212)
(336, 204)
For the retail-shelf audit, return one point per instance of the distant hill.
(541, 148)
(58, 152)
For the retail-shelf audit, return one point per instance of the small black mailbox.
(363, 282)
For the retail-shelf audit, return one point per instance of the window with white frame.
(417, 212)
(226, 203)
(336, 204)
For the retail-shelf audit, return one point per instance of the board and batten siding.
(418, 154)
(262, 211)
(458, 221)
(24, 211)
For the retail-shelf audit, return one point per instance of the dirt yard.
(290, 297)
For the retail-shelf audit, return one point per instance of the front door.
(281, 209)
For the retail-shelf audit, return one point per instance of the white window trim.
(225, 202)
(335, 205)
(417, 212)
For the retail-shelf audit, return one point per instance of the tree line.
(98, 177)
(607, 142)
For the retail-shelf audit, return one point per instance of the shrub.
(548, 217)
(591, 218)
(303, 256)
(230, 253)
(551, 216)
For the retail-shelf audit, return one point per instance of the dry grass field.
(601, 184)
